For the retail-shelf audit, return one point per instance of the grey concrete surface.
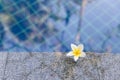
(56, 66)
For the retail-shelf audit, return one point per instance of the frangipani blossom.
(77, 51)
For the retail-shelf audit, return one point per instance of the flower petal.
(75, 58)
(69, 54)
(73, 46)
(81, 46)
(83, 54)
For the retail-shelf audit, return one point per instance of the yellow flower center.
(77, 52)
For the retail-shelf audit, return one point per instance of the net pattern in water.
(52, 25)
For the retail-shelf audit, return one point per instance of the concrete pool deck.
(56, 66)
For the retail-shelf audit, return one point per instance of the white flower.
(77, 51)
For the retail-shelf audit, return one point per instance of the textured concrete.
(3, 57)
(56, 66)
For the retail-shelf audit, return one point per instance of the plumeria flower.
(77, 51)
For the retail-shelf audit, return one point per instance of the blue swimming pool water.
(40, 25)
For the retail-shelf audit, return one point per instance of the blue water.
(40, 25)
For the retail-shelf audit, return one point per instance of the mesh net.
(52, 25)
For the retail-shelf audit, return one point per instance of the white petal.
(81, 46)
(83, 54)
(69, 54)
(76, 58)
(73, 46)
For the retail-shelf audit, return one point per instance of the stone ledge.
(56, 66)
